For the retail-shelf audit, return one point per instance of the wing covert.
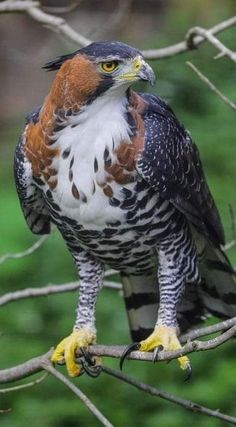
(170, 163)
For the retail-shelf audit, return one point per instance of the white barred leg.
(84, 332)
(91, 273)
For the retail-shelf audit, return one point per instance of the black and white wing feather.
(30, 196)
(170, 163)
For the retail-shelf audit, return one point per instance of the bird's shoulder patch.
(38, 150)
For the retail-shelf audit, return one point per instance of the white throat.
(98, 127)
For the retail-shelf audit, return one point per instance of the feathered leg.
(177, 265)
(84, 331)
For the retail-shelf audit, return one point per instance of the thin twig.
(27, 252)
(21, 386)
(212, 86)
(17, 6)
(49, 290)
(208, 35)
(208, 330)
(184, 45)
(3, 411)
(187, 404)
(60, 26)
(104, 421)
(55, 23)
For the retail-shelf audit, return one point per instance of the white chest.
(85, 143)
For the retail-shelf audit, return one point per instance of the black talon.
(189, 373)
(89, 364)
(94, 371)
(87, 357)
(132, 347)
(156, 352)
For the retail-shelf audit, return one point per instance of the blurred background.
(29, 328)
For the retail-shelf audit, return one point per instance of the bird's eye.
(110, 66)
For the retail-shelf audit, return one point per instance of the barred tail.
(141, 299)
(218, 287)
(215, 295)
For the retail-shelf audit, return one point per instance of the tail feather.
(141, 299)
(215, 295)
(218, 287)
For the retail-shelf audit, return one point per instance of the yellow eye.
(109, 66)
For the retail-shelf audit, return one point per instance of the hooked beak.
(146, 73)
(138, 70)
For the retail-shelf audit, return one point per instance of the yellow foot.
(66, 349)
(165, 337)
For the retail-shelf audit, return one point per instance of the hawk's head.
(99, 67)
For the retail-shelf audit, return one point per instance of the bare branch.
(21, 386)
(35, 365)
(43, 363)
(193, 346)
(27, 252)
(3, 411)
(207, 330)
(195, 35)
(26, 369)
(187, 404)
(55, 23)
(212, 86)
(104, 421)
(58, 25)
(48, 290)
(208, 35)
(17, 6)
(184, 45)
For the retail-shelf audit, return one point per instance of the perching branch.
(43, 363)
(192, 346)
(21, 371)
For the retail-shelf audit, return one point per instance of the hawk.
(122, 180)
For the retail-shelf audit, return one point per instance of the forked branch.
(43, 363)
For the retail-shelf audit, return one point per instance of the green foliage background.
(29, 328)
